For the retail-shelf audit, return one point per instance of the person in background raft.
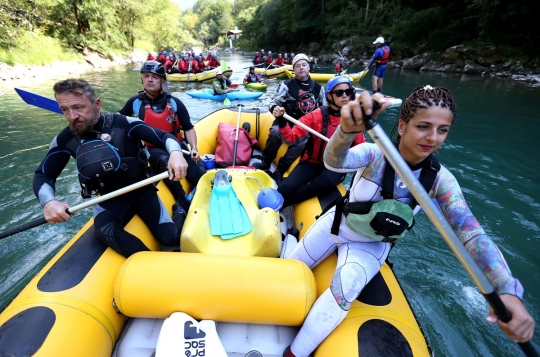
(296, 97)
(162, 58)
(279, 61)
(150, 57)
(159, 109)
(200, 61)
(425, 120)
(310, 178)
(340, 67)
(214, 62)
(380, 58)
(256, 59)
(252, 77)
(221, 84)
(312, 63)
(90, 136)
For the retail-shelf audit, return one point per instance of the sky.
(185, 4)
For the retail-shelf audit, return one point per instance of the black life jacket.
(105, 164)
(292, 106)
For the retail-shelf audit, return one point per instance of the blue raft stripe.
(24, 333)
(74, 264)
(378, 338)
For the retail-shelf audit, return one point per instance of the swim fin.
(228, 217)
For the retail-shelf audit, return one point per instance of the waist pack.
(383, 221)
(97, 159)
(225, 146)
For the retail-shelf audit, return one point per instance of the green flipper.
(228, 217)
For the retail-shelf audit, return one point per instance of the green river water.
(491, 150)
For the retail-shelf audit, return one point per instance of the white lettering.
(393, 222)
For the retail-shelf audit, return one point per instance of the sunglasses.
(339, 92)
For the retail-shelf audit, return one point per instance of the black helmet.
(252, 67)
(154, 67)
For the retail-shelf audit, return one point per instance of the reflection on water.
(492, 150)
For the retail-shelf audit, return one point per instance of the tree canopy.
(280, 25)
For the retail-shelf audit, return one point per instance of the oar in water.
(72, 210)
(268, 67)
(439, 221)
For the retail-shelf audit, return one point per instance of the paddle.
(48, 104)
(236, 136)
(268, 67)
(39, 101)
(305, 127)
(188, 72)
(72, 210)
(439, 221)
(362, 75)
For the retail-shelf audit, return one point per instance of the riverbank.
(91, 62)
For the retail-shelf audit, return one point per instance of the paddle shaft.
(72, 210)
(236, 136)
(393, 156)
(305, 127)
(188, 72)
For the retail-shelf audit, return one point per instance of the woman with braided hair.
(348, 228)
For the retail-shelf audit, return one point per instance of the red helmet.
(257, 53)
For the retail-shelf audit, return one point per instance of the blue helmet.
(270, 198)
(164, 52)
(269, 52)
(197, 57)
(332, 83)
(341, 59)
(214, 56)
(262, 50)
(292, 54)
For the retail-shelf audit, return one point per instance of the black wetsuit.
(111, 216)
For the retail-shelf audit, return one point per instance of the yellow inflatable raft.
(325, 77)
(78, 303)
(207, 76)
(278, 72)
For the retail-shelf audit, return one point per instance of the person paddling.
(362, 242)
(252, 77)
(380, 58)
(221, 84)
(109, 156)
(310, 178)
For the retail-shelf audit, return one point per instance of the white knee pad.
(347, 283)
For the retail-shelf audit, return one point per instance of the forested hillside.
(409, 26)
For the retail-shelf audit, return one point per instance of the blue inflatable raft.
(238, 95)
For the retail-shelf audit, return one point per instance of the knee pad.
(347, 283)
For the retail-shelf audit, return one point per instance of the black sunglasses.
(339, 92)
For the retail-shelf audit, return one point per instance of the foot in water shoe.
(178, 216)
(261, 165)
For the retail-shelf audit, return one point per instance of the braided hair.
(424, 97)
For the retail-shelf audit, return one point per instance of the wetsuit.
(286, 96)
(112, 215)
(158, 158)
(310, 178)
(360, 258)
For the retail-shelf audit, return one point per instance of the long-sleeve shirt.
(369, 160)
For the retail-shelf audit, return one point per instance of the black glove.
(282, 122)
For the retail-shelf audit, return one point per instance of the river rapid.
(491, 150)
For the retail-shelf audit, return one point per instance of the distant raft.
(206, 76)
(209, 94)
(278, 72)
(256, 86)
(325, 77)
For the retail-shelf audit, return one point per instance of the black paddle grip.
(368, 120)
(504, 315)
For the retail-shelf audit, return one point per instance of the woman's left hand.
(521, 327)
(352, 113)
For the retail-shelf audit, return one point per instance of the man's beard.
(87, 126)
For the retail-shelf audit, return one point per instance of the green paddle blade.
(226, 102)
(223, 66)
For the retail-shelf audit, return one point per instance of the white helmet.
(379, 40)
(299, 57)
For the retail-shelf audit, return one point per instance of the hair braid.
(424, 97)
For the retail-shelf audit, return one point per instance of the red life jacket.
(201, 64)
(384, 58)
(269, 60)
(166, 120)
(279, 62)
(183, 66)
(195, 67)
(339, 67)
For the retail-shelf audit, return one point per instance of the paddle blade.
(223, 66)
(39, 101)
(226, 102)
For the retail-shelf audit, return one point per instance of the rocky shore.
(486, 61)
(92, 62)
